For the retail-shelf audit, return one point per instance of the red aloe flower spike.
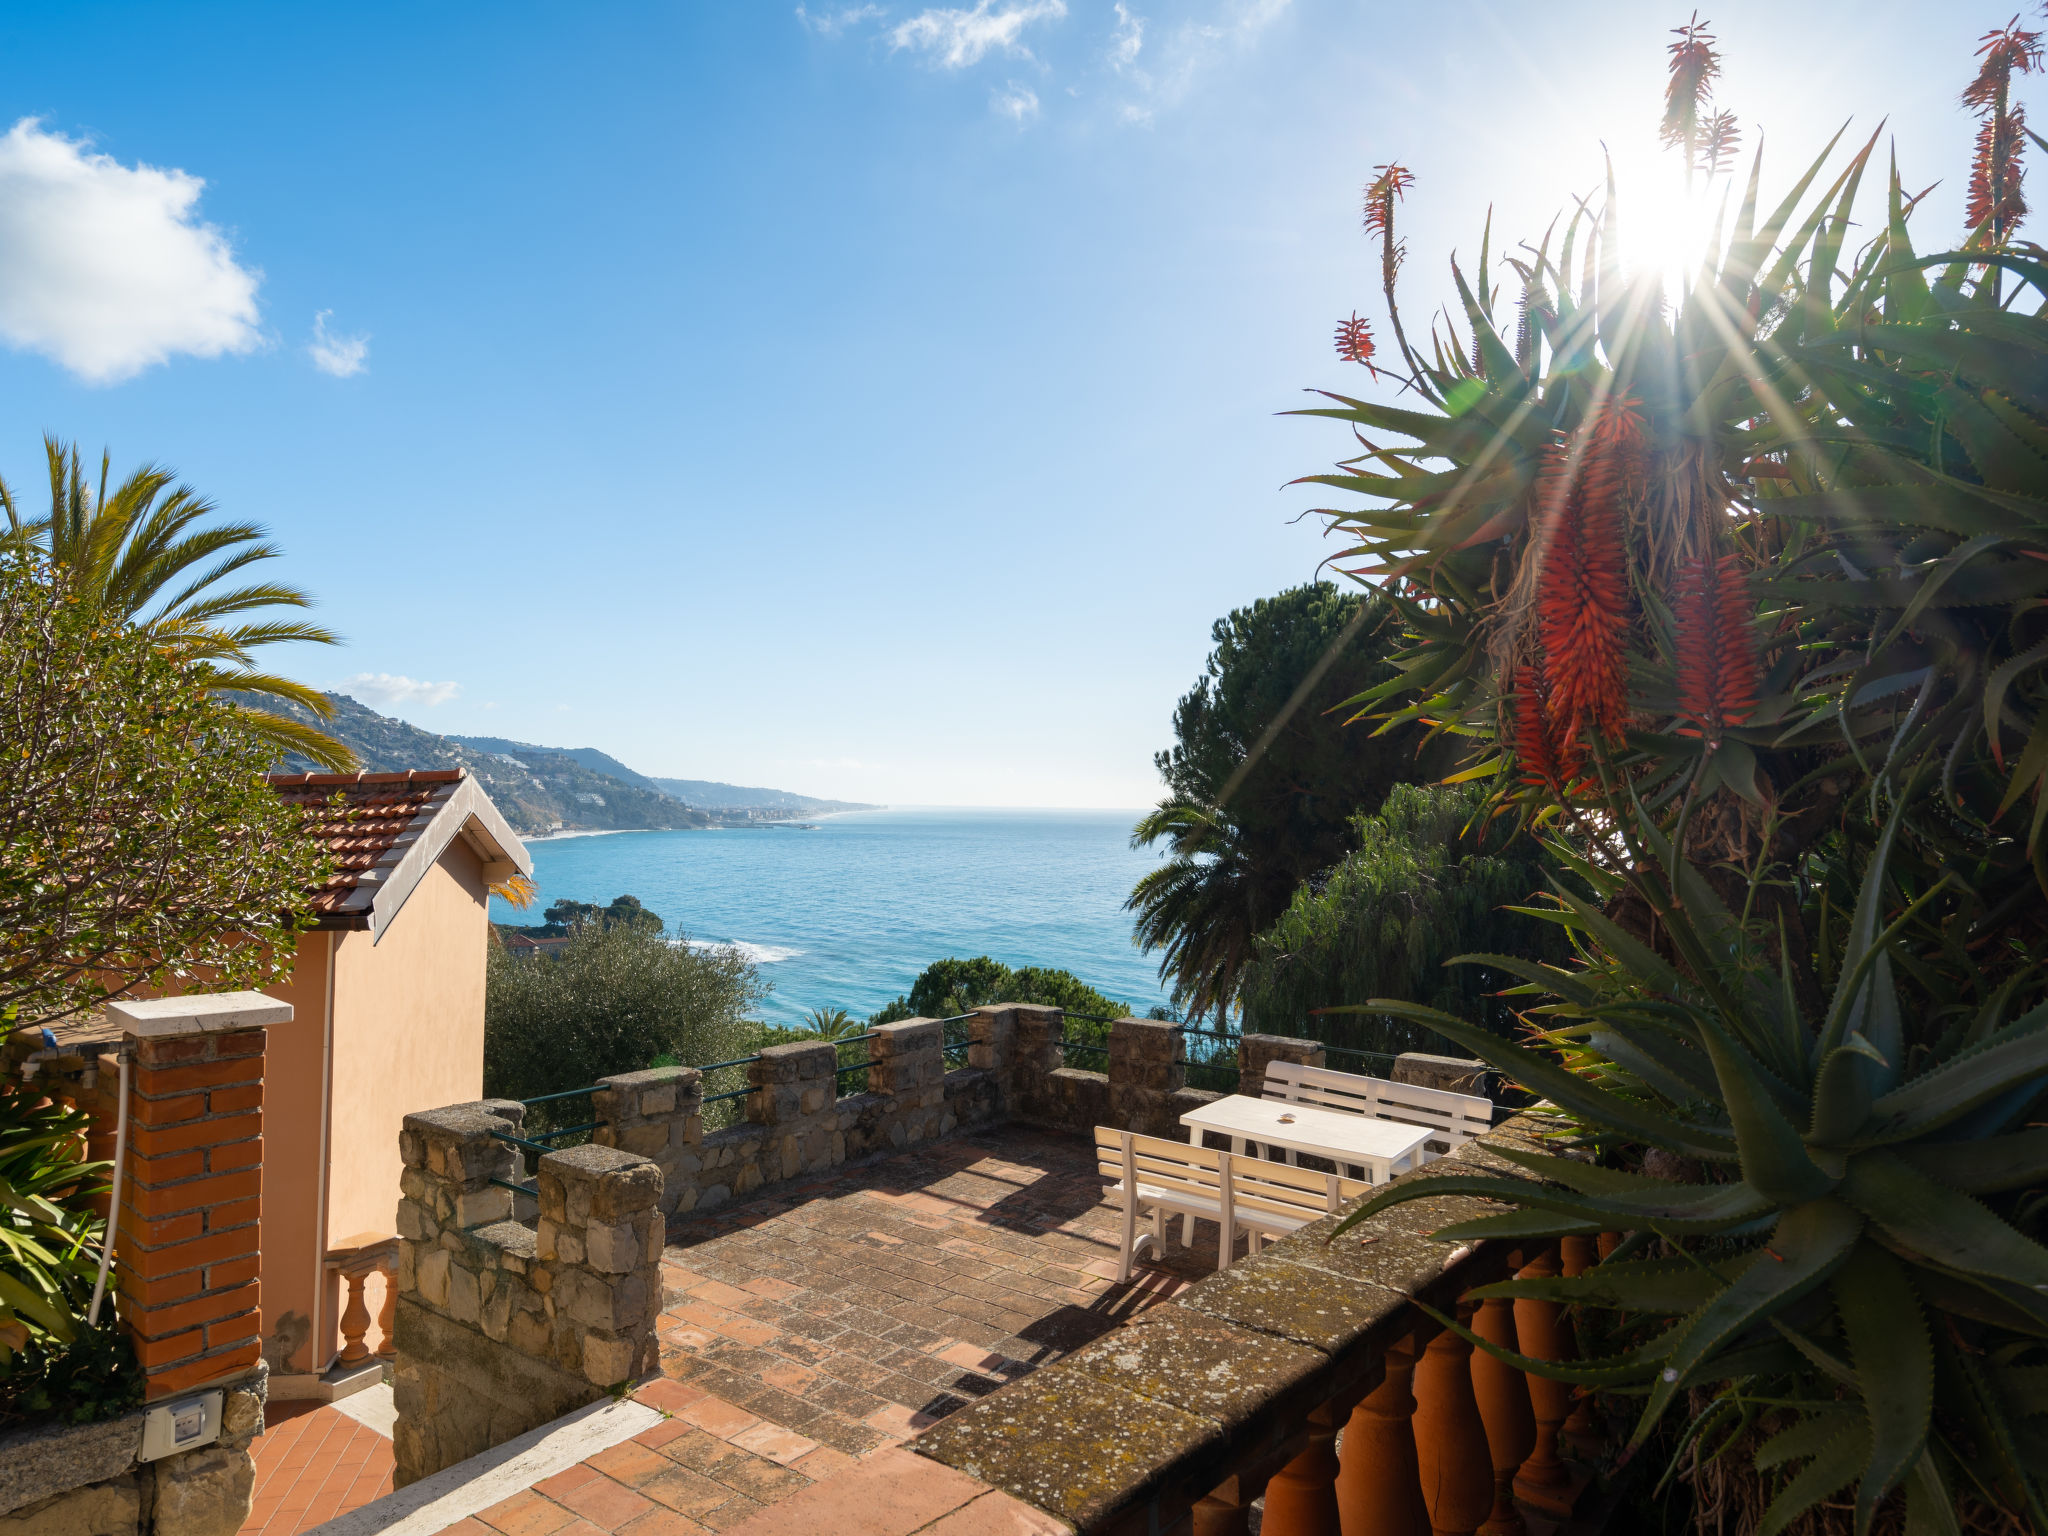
(1718, 672)
(1996, 170)
(1582, 593)
(1547, 757)
(1386, 189)
(1355, 343)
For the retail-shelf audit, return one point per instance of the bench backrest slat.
(1459, 1116)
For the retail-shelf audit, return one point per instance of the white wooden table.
(1381, 1148)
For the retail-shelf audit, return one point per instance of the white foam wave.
(760, 954)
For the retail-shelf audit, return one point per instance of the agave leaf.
(1857, 956)
(1638, 957)
(1974, 1296)
(1947, 1226)
(1679, 1208)
(1524, 1223)
(1610, 1371)
(1888, 1342)
(1810, 1243)
(1677, 1073)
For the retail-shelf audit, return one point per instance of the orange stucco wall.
(407, 1033)
(292, 1241)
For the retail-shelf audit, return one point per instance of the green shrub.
(614, 999)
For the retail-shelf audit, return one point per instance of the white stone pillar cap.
(206, 1013)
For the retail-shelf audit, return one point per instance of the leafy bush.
(1432, 877)
(612, 1000)
(953, 986)
(93, 1377)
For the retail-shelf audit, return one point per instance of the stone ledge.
(1152, 1416)
(53, 1458)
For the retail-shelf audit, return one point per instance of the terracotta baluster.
(1301, 1500)
(1543, 1480)
(387, 1314)
(355, 1320)
(1450, 1440)
(1607, 1242)
(1579, 1255)
(1378, 1490)
(1503, 1395)
(1227, 1511)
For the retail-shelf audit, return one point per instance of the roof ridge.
(344, 780)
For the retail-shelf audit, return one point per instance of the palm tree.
(123, 550)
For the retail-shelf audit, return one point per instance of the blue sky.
(873, 401)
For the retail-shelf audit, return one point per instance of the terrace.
(904, 1298)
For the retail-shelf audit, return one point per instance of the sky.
(874, 401)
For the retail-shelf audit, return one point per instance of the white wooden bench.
(1456, 1117)
(1159, 1178)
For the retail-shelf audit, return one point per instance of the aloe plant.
(1852, 1237)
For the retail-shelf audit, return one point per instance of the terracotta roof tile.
(363, 817)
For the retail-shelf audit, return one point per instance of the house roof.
(386, 830)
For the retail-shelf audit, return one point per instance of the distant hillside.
(709, 795)
(704, 794)
(538, 790)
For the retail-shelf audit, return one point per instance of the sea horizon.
(847, 913)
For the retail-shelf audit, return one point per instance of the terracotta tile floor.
(313, 1462)
(805, 1336)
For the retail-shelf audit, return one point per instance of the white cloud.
(832, 23)
(1014, 101)
(342, 356)
(105, 268)
(391, 688)
(955, 38)
(1188, 52)
(1128, 39)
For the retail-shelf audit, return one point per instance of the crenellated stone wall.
(503, 1327)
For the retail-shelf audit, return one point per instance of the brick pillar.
(189, 1248)
(795, 1090)
(1035, 1056)
(658, 1114)
(1254, 1051)
(1147, 1066)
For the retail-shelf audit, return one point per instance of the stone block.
(432, 1275)
(480, 1207)
(1452, 1073)
(601, 1184)
(1255, 1051)
(203, 1493)
(609, 1359)
(100, 1509)
(465, 1295)
(611, 1247)
(794, 1063)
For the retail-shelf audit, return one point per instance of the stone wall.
(797, 1123)
(501, 1327)
(89, 1480)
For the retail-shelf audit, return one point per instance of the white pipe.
(99, 1286)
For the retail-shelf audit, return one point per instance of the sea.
(844, 911)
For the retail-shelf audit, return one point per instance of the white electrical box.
(181, 1426)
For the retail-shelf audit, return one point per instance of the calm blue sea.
(846, 916)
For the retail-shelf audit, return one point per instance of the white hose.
(99, 1286)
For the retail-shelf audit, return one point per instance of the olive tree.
(140, 847)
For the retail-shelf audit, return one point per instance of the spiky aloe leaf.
(1930, 1511)
(1843, 1091)
(1808, 1437)
(1561, 1086)
(1981, 1167)
(1774, 1157)
(1886, 1331)
(2015, 1055)
(1679, 1208)
(1661, 1287)
(1948, 1227)
(1834, 1466)
(1811, 1241)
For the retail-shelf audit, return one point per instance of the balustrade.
(355, 1259)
